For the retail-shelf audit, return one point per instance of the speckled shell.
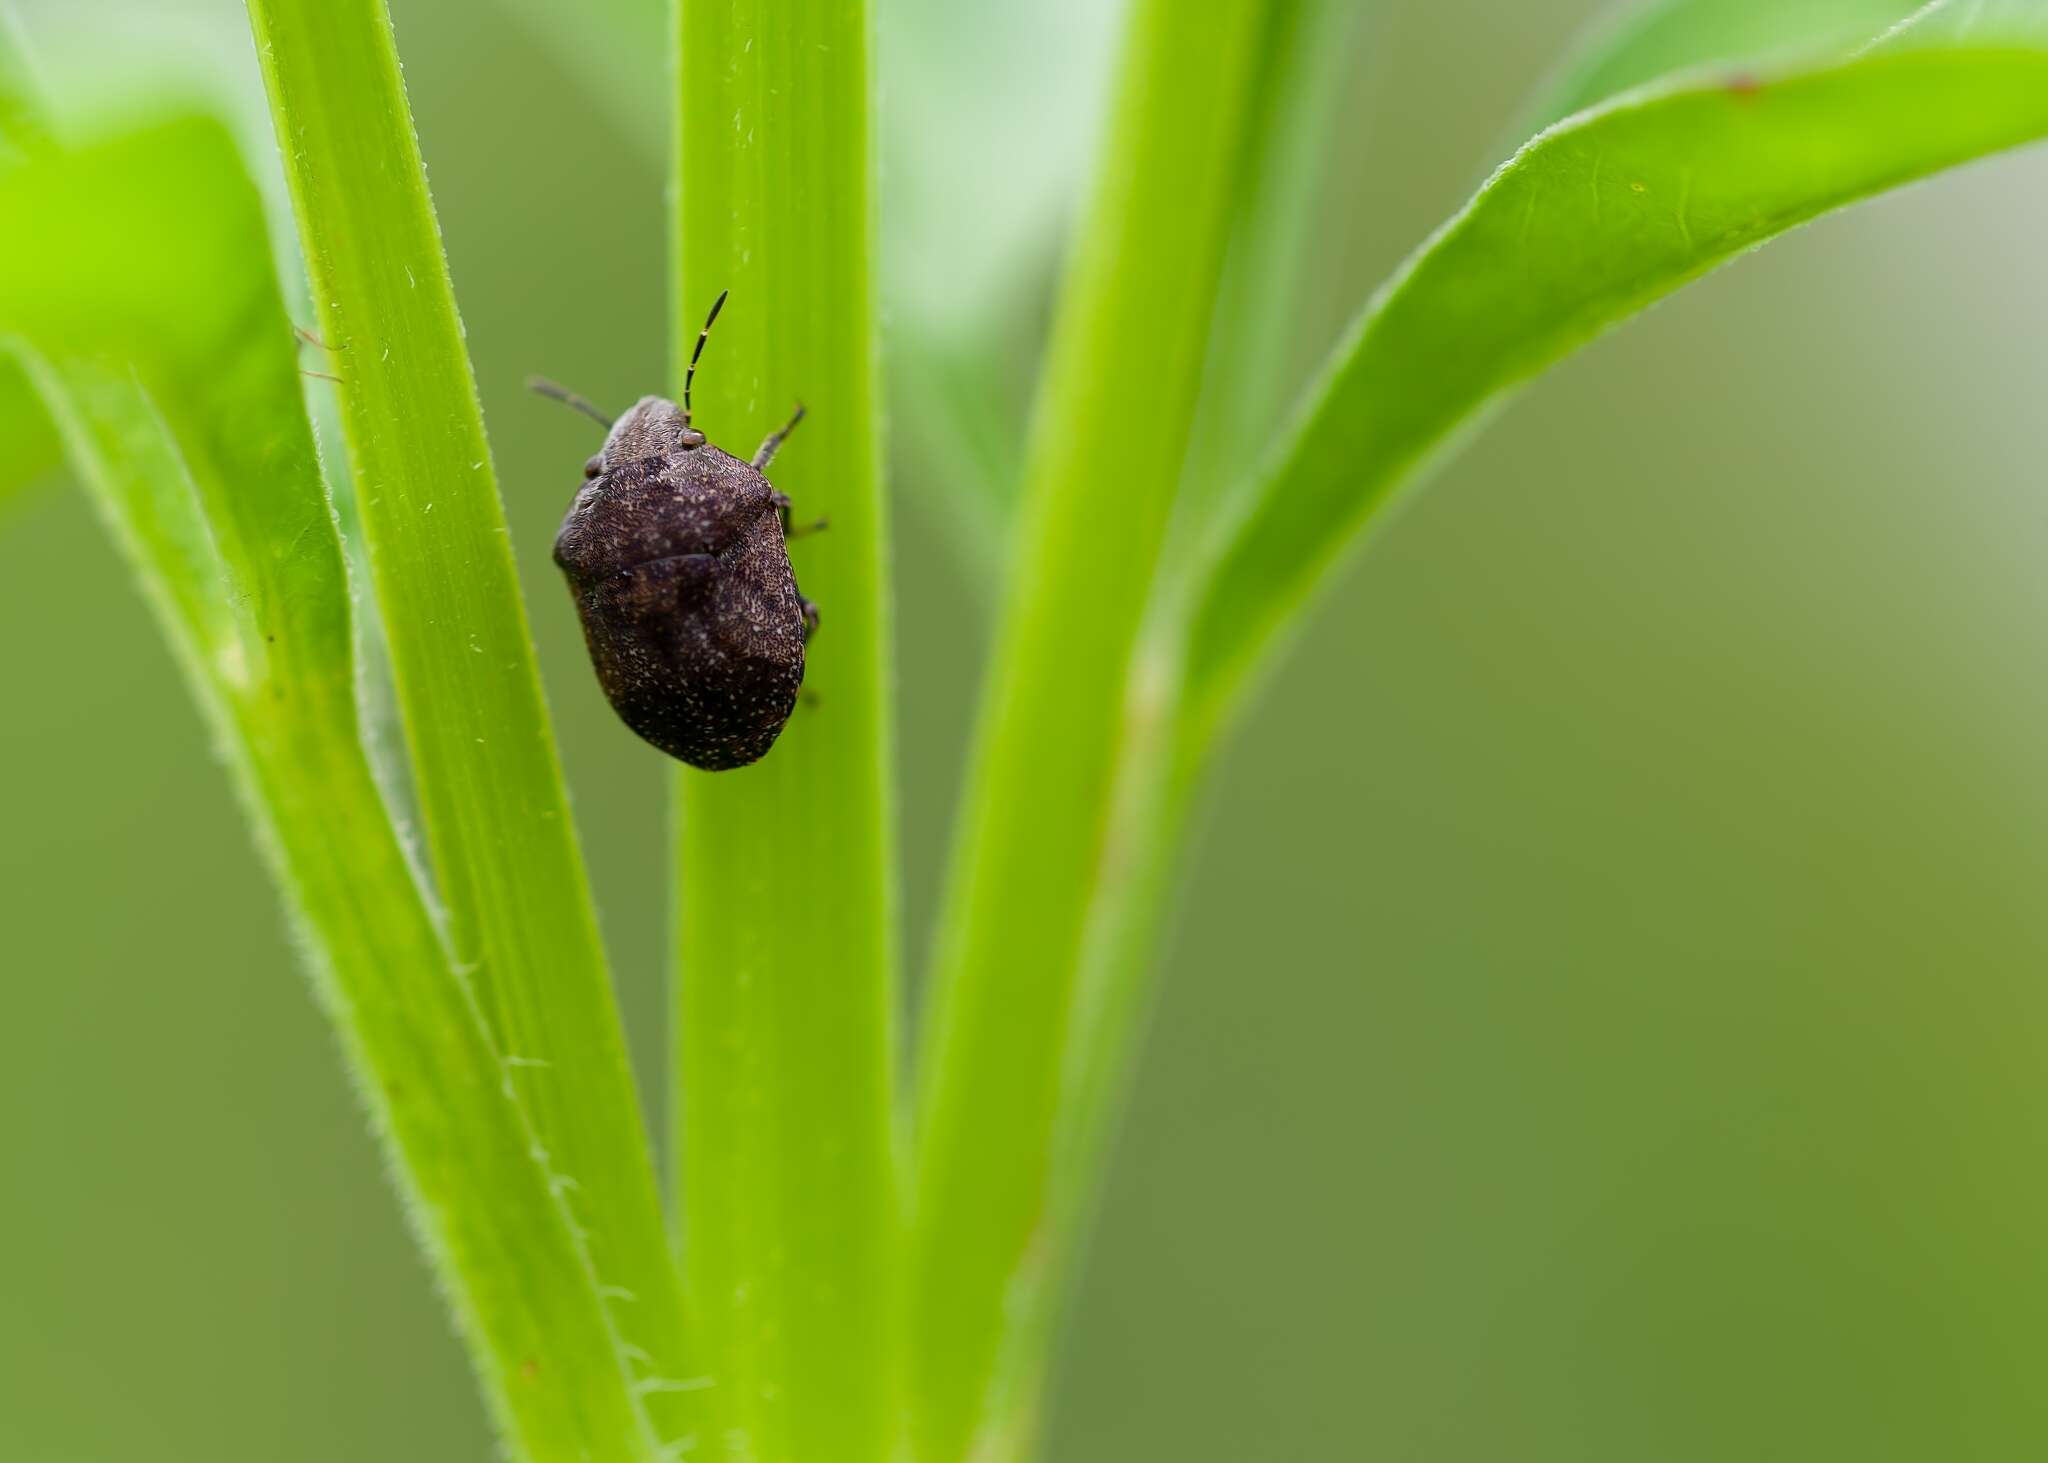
(674, 553)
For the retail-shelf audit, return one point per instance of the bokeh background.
(1606, 1022)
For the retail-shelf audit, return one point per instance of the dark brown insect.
(675, 553)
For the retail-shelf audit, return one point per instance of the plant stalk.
(1109, 441)
(500, 839)
(785, 996)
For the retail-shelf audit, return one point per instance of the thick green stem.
(1111, 435)
(503, 849)
(786, 960)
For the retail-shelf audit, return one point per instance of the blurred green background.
(1606, 1019)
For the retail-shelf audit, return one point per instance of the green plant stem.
(1109, 441)
(1311, 55)
(209, 484)
(786, 951)
(502, 846)
(462, 1153)
(1159, 782)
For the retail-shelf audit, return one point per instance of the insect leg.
(810, 619)
(796, 530)
(305, 338)
(769, 448)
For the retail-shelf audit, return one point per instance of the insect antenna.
(563, 394)
(702, 335)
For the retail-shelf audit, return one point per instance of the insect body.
(674, 551)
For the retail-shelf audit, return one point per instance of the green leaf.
(1657, 40)
(1591, 222)
(503, 849)
(141, 271)
(1112, 433)
(786, 961)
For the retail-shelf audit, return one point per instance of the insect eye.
(593, 467)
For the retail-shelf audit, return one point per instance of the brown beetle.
(675, 553)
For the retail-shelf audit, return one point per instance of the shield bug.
(675, 553)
